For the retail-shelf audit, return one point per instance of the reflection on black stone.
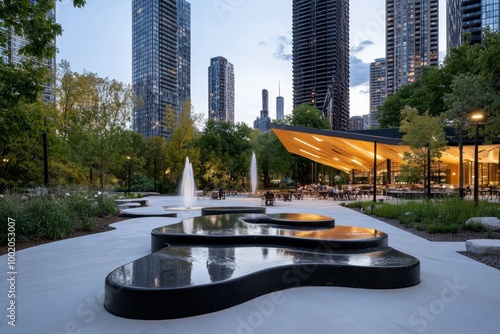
(217, 261)
(220, 263)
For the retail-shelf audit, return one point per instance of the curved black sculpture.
(209, 263)
(222, 210)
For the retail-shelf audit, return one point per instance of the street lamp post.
(128, 178)
(45, 156)
(476, 118)
(429, 171)
(6, 163)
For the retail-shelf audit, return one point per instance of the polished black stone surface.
(283, 229)
(205, 264)
(222, 210)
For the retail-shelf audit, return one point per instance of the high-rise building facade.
(412, 40)
(221, 90)
(265, 120)
(10, 54)
(280, 107)
(356, 123)
(470, 16)
(320, 58)
(161, 62)
(453, 23)
(378, 88)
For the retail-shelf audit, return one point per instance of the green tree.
(156, 157)
(468, 94)
(96, 125)
(22, 83)
(426, 94)
(307, 116)
(275, 163)
(180, 145)
(421, 133)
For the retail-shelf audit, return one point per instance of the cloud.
(361, 46)
(282, 51)
(360, 71)
(282, 47)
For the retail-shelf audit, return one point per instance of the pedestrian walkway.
(59, 286)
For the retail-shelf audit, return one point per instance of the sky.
(254, 35)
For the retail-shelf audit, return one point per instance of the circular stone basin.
(292, 219)
(222, 210)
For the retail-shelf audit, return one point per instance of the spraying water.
(188, 187)
(253, 173)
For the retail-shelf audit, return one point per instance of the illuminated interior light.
(303, 142)
(336, 159)
(357, 162)
(345, 168)
(314, 155)
(317, 139)
(378, 156)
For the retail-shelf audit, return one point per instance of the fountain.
(188, 187)
(253, 173)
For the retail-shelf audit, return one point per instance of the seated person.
(269, 198)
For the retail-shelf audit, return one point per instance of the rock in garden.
(492, 223)
(483, 246)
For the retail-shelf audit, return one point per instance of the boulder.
(483, 246)
(492, 223)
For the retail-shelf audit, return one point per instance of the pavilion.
(363, 154)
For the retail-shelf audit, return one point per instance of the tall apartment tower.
(265, 120)
(221, 90)
(161, 62)
(320, 60)
(470, 16)
(10, 55)
(412, 32)
(280, 105)
(378, 88)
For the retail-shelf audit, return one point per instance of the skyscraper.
(453, 23)
(470, 16)
(265, 120)
(161, 62)
(280, 105)
(321, 58)
(221, 90)
(378, 88)
(10, 54)
(411, 40)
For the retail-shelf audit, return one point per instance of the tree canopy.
(433, 92)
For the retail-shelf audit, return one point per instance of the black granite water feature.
(222, 210)
(208, 263)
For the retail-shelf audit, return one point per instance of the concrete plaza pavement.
(59, 287)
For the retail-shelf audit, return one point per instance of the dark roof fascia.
(339, 134)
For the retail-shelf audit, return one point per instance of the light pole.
(45, 155)
(128, 178)
(429, 171)
(6, 163)
(476, 118)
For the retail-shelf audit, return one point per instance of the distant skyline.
(255, 35)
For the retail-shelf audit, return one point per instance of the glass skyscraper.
(378, 88)
(10, 54)
(412, 40)
(161, 62)
(470, 16)
(221, 90)
(320, 59)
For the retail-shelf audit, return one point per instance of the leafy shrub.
(52, 217)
